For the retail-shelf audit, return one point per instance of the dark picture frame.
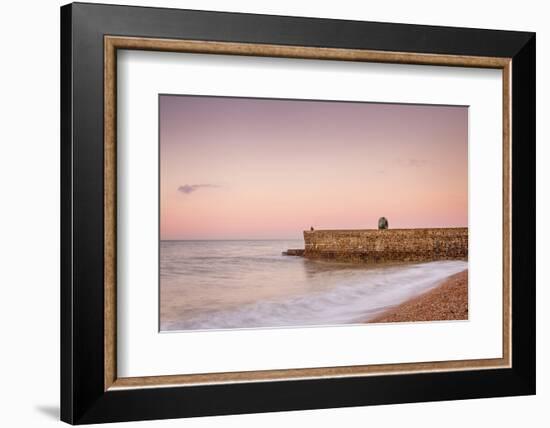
(90, 36)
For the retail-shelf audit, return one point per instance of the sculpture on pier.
(383, 223)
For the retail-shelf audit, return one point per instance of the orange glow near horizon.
(245, 168)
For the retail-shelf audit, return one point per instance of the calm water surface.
(249, 284)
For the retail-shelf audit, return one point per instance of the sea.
(250, 284)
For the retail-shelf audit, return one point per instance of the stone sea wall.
(391, 245)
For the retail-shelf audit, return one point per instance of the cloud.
(418, 162)
(413, 162)
(190, 188)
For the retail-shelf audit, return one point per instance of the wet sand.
(448, 301)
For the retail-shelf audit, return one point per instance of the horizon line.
(306, 231)
(232, 239)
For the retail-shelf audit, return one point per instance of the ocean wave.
(358, 296)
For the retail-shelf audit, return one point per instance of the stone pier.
(390, 245)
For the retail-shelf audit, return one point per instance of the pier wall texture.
(390, 245)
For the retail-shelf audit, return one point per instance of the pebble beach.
(448, 301)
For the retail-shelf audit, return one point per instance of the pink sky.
(244, 168)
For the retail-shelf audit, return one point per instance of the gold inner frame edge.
(113, 43)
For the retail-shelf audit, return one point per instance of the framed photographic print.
(265, 213)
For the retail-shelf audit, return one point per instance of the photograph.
(282, 213)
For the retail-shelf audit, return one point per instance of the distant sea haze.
(249, 284)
